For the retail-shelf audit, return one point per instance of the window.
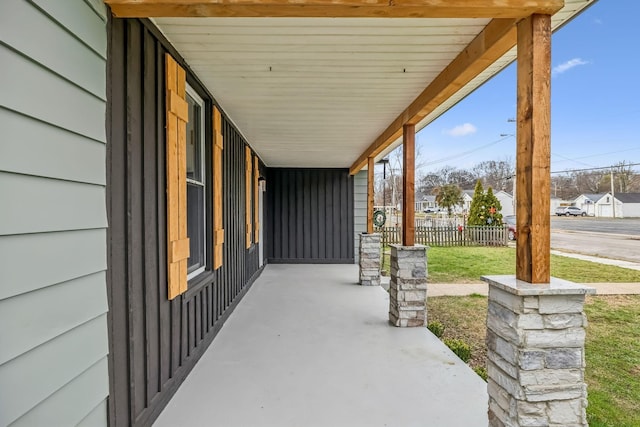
(196, 188)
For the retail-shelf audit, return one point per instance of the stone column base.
(535, 353)
(408, 286)
(370, 255)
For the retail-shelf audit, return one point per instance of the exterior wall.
(155, 342)
(556, 203)
(310, 215)
(53, 299)
(605, 210)
(588, 205)
(359, 209)
(506, 201)
(631, 210)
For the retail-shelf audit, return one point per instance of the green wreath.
(379, 218)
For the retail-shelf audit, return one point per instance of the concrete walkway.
(308, 347)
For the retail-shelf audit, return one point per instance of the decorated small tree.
(485, 208)
(493, 209)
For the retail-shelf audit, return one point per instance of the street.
(608, 238)
(598, 225)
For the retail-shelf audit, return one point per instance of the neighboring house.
(132, 167)
(506, 201)
(587, 202)
(630, 204)
(428, 203)
(467, 198)
(626, 205)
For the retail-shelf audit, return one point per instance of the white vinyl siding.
(53, 298)
(630, 210)
(359, 210)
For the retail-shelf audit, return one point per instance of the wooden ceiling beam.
(495, 40)
(334, 8)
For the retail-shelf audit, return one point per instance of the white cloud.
(461, 130)
(565, 66)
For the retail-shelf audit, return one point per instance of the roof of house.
(594, 197)
(628, 197)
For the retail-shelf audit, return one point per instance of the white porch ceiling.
(316, 92)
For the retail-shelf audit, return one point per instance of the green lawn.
(612, 350)
(467, 264)
(613, 361)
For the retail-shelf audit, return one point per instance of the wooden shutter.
(256, 204)
(218, 231)
(177, 118)
(247, 195)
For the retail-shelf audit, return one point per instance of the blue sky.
(595, 98)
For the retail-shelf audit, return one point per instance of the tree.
(485, 208)
(475, 210)
(494, 173)
(443, 176)
(448, 196)
(623, 174)
(494, 208)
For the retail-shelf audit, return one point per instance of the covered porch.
(308, 346)
(311, 95)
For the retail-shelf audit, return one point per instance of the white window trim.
(193, 94)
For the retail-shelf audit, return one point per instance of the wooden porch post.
(533, 150)
(408, 194)
(370, 195)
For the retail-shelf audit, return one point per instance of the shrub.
(481, 371)
(437, 328)
(459, 347)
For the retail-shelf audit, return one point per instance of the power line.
(573, 160)
(465, 153)
(595, 169)
(593, 155)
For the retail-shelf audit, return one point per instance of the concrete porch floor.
(308, 347)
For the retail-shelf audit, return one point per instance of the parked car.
(570, 210)
(510, 221)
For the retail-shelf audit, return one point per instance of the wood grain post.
(370, 195)
(533, 150)
(408, 190)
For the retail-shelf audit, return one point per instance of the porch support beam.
(334, 8)
(370, 195)
(408, 184)
(533, 179)
(495, 40)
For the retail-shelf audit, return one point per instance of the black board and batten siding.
(155, 342)
(309, 216)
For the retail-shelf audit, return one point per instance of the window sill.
(198, 283)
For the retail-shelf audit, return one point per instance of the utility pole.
(613, 196)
